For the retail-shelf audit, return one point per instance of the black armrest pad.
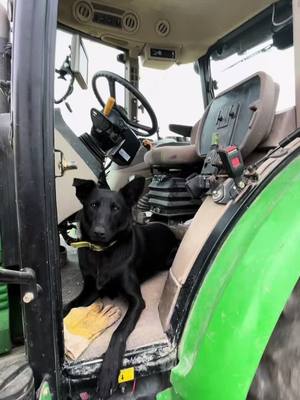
(182, 130)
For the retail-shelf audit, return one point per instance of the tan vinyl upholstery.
(172, 155)
(140, 337)
(175, 155)
(210, 213)
(284, 124)
(198, 232)
(266, 107)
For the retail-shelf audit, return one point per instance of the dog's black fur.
(140, 252)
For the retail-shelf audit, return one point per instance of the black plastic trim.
(8, 212)
(183, 130)
(148, 360)
(206, 80)
(255, 31)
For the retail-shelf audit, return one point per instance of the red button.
(235, 162)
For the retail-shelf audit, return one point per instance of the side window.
(279, 64)
(174, 94)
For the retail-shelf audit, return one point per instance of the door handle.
(25, 277)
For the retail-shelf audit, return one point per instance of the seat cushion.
(172, 155)
(175, 155)
(148, 329)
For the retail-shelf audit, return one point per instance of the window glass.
(175, 95)
(279, 64)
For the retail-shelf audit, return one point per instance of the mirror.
(79, 61)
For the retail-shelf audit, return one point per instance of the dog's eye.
(93, 205)
(115, 207)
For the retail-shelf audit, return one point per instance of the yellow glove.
(82, 325)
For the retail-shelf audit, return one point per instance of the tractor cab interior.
(191, 180)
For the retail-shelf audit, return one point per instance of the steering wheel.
(112, 79)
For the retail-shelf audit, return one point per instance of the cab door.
(34, 29)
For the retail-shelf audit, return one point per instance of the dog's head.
(106, 213)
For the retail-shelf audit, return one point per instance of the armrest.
(182, 130)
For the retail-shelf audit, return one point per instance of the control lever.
(196, 184)
(100, 122)
(111, 101)
(218, 159)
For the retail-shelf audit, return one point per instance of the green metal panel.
(45, 393)
(242, 296)
(5, 343)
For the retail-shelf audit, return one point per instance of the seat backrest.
(284, 124)
(195, 131)
(242, 115)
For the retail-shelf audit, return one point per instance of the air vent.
(83, 11)
(105, 8)
(162, 28)
(130, 22)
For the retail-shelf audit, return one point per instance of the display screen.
(79, 61)
(163, 53)
(107, 19)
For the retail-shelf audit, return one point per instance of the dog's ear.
(83, 188)
(133, 190)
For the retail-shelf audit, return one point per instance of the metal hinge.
(62, 165)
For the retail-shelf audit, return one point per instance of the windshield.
(175, 95)
(279, 64)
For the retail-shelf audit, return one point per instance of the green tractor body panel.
(5, 343)
(44, 392)
(242, 297)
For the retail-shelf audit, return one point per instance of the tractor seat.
(173, 155)
(241, 115)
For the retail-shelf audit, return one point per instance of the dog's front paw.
(107, 381)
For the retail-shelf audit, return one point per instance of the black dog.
(132, 254)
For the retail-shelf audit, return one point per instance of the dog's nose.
(100, 231)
